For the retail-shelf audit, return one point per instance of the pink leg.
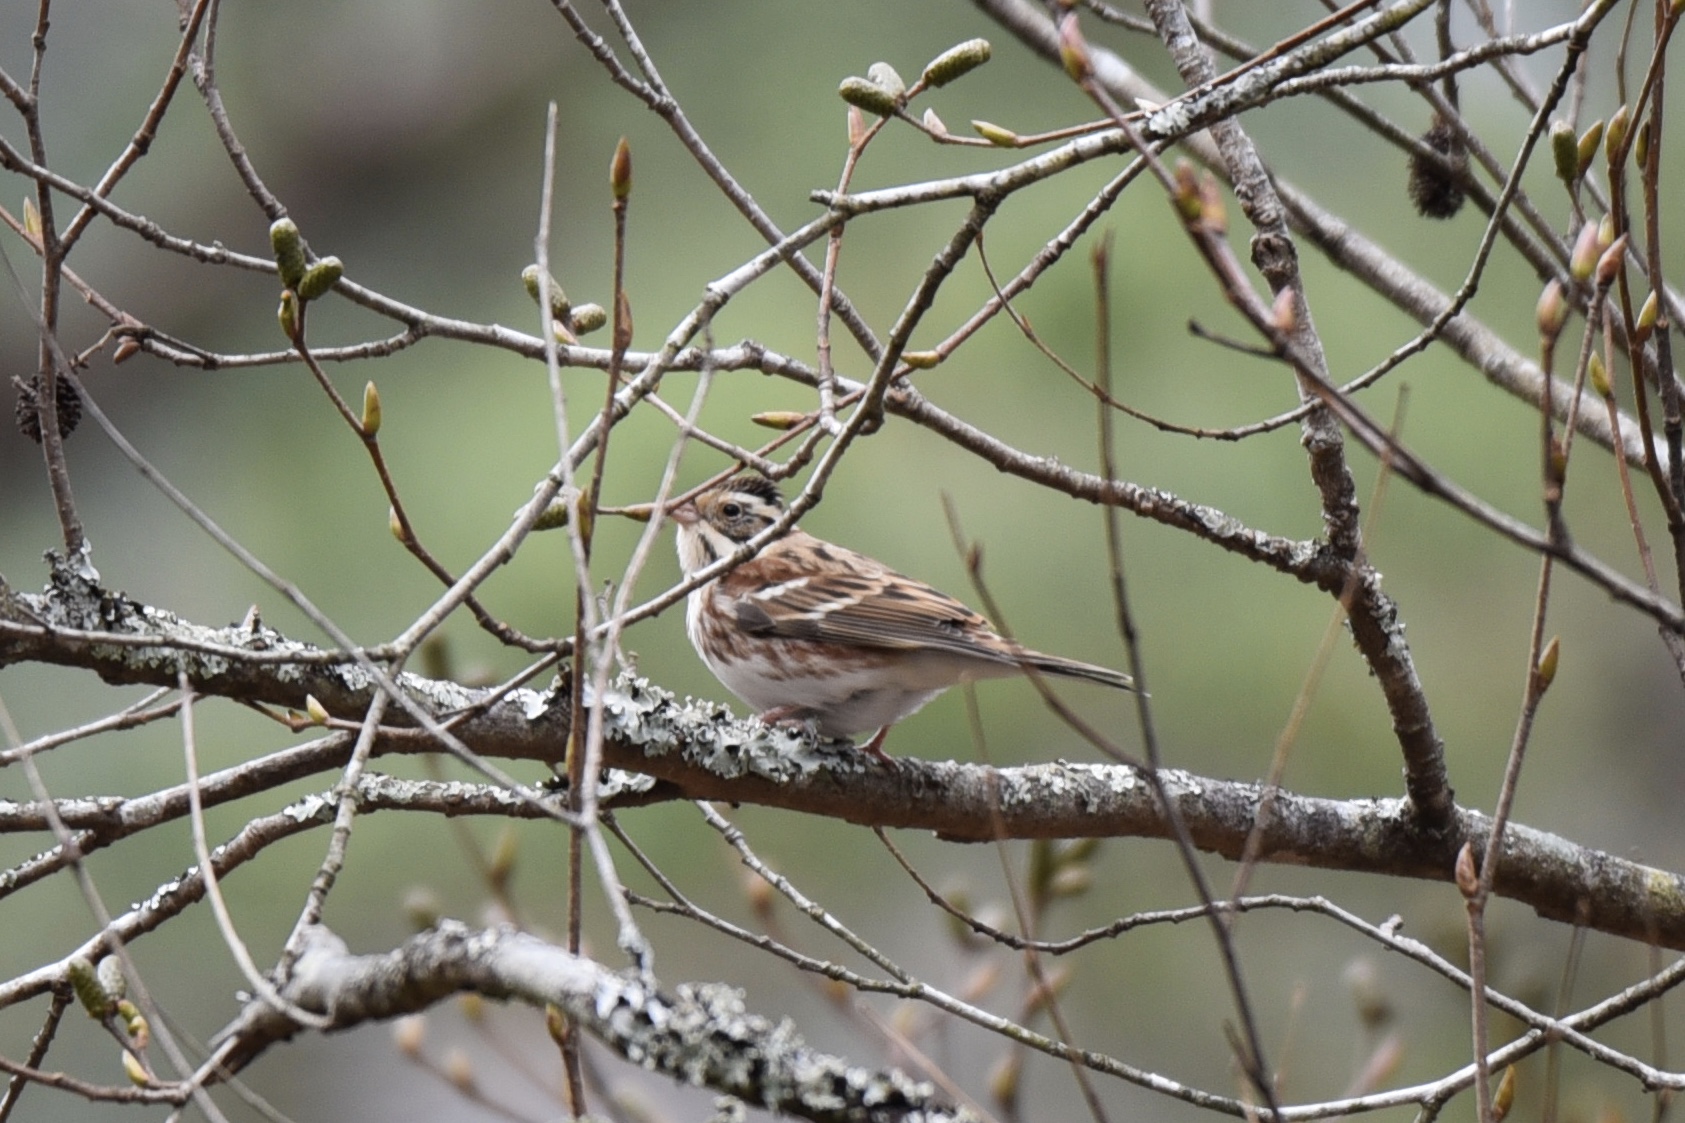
(874, 747)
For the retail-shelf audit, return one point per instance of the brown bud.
(1468, 878)
(126, 349)
(1285, 311)
(1609, 265)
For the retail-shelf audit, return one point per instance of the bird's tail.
(1070, 668)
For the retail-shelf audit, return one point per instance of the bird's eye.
(731, 510)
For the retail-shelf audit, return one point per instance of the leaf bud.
(1504, 1098)
(1615, 135)
(318, 712)
(1548, 663)
(1598, 374)
(995, 134)
(780, 419)
(134, 1070)
(1552, 312)
(921, 360)
(1073, 49)
(1589, 141)
(1609, 265)
(371, 410)
(1583, 261)
(287, 314)
(1468, 878)
(1646, 324)
(620, 170)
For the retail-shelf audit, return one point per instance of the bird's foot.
(874, 748)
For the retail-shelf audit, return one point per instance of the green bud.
(1564, 149)
(1548, 662)
(921, 360)
(1615, 136)
(318, 712)
(85, 983)
(956, 62)
(620, 170)
(559, 307)
(868, 95)
(995, 135)
(289, 251)
(1588, 146)
(780, 419)
(1598, 375)
(371, 410)
(1646, 319)
(319, 278)
(1073, 49)
(587, 318)
(287, 314)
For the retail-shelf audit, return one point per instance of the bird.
(810, 631)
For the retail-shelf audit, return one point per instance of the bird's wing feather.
(844, 597)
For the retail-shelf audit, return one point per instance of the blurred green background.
(406, 138)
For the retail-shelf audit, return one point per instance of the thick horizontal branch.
(703, 753)
(698, 1034)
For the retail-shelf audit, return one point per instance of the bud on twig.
(1646, 319)
(319, 278)
(1565, 151)
(995, 135)
(867, 95)
(1583, 261)
(1073, 49)
(1609, 265)
(1552, 312)
(1588, 145)
(1599, 376)
(371, 410)
(1468, 878)
(620, 171)
(780, 419)
(284, 240)
(956, 62)
(1504, 1098)
(559, 306)
(1548, 662)
(1615, 136)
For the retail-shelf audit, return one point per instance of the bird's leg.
(874, 747)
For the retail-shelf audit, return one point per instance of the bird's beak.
(685, 514)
